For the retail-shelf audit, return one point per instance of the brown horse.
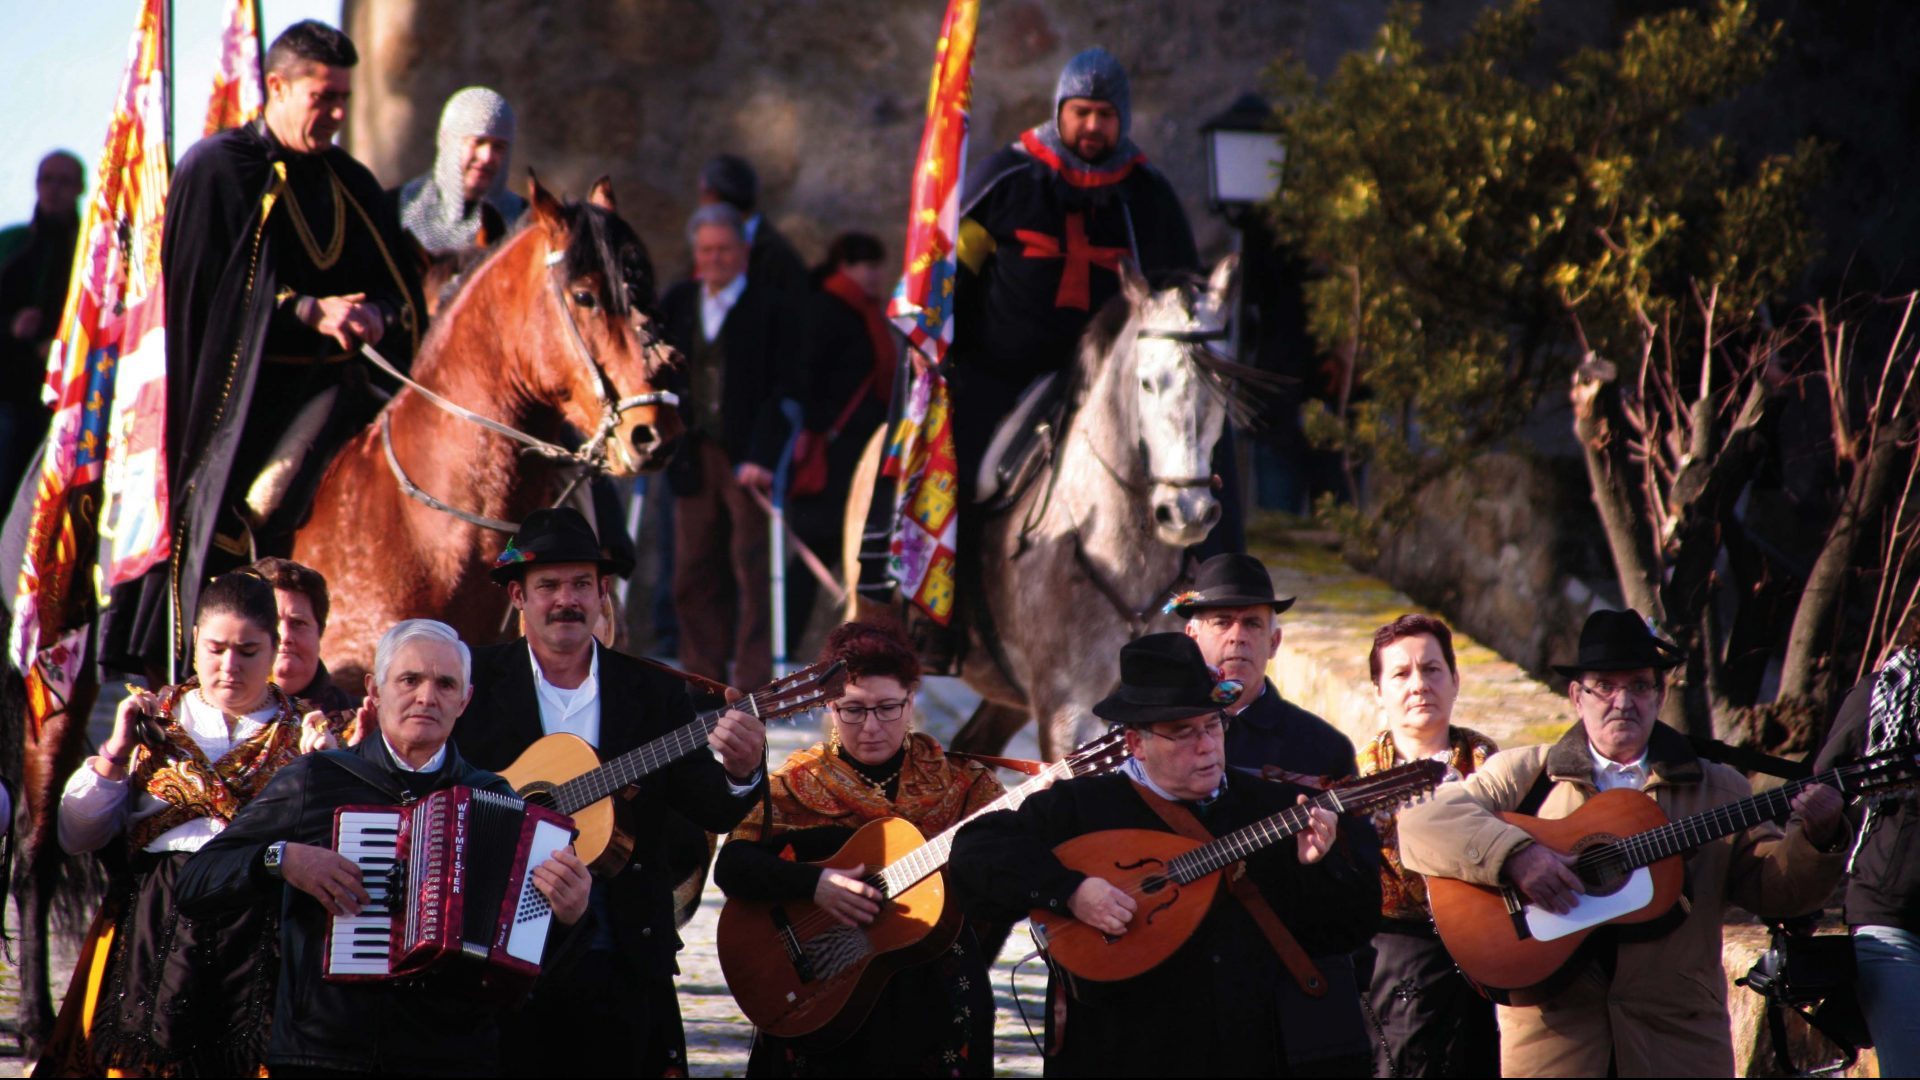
(502, 346)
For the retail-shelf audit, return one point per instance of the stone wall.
(826, 97)
(1510, 550)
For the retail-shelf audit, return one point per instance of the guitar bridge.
(790, 941)
(1517, 913)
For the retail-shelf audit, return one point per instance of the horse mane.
(1243, 390)
(598, 243)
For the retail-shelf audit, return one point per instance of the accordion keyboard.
(363, 944)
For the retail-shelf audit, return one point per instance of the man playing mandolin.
(1208, 1009)
(1641, 998)
(618, 1001)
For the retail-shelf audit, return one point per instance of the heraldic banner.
(100, 491)
(920, 452)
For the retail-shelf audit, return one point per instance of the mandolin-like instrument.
(564, 773)
(1629, 857)
(797, 971)
(1174, 879)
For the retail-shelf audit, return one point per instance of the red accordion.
(451, 883)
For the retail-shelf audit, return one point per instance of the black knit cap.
(559, 535)
(1620, 641)
(732, 181)
(1163, 677)
(1229, 581)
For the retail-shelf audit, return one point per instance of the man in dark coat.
(618, 1001)
(280, 849)
(1233, 615)
(771, 258)
(1045, 224)
(743, 343)
(1223, 1004)
(281, 257)
(36, 263)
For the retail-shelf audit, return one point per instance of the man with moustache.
(1649, 998)
(1232, 614)
(279, 850)
(617, 1003)
(282, 256)
(1224, 1004)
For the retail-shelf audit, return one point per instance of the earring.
(833, 738)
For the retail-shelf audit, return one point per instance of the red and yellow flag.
(101, 477)
(239, 88)
(920, 452)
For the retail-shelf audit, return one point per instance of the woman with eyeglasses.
(167, 995)
(931, 1020)
(1432, 1021)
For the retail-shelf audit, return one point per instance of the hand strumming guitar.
(1545, 877)
(1102, 906)
(846, 897)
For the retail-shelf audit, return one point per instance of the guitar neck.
(920, 863)
(1686, 834)
(629, 768)
(1226, 850)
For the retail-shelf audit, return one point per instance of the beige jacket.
(1664, 1011)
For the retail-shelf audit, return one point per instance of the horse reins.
(591, 457)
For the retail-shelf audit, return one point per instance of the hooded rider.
(443, 209)
(1045, 223)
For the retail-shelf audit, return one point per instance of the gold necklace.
(322, 260)
(232, 719)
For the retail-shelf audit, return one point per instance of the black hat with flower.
(1163, 677)
(559, 535)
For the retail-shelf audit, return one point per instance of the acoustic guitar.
(1174, 879)
(798, 971)
(564, 773)
(1628, 855)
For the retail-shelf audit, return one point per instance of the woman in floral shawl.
(931, 1020)
(1433, 1022)
(155, 993)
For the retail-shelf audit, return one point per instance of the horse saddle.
(1022, 444)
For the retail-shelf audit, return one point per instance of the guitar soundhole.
(1603, 876)
(836, 950)
(539, 793)
(1153, 883)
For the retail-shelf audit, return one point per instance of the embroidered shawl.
(1403, 893)
(816, 787)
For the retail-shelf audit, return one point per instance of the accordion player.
(449, 880)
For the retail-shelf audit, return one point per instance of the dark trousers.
(1433, 1021)
(593, 1020)
(720, 576)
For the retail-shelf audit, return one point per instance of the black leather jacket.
(424, 1026)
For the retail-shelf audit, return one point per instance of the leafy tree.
(1492, 235)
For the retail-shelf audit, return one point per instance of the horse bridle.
(590, 457)
(1185, 337)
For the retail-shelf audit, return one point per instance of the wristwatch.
(276, 851)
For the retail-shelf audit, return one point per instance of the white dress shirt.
(714, 306)
(1609, 774)
(94, 809)
(432, 765)
(575, 711)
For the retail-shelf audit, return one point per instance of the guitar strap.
(1298, 963)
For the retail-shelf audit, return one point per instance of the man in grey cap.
(772, 261)
(443, 209)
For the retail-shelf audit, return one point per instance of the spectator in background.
(300, 596)
(741, 341)
(771, 259)
(851, 351)
(36, 260)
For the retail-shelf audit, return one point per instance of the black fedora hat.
(1229, 581)
(1163, 677)
(559, 535)
(1620, 641)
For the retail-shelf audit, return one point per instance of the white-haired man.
(420, 684)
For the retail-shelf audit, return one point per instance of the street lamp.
(1244, 156)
